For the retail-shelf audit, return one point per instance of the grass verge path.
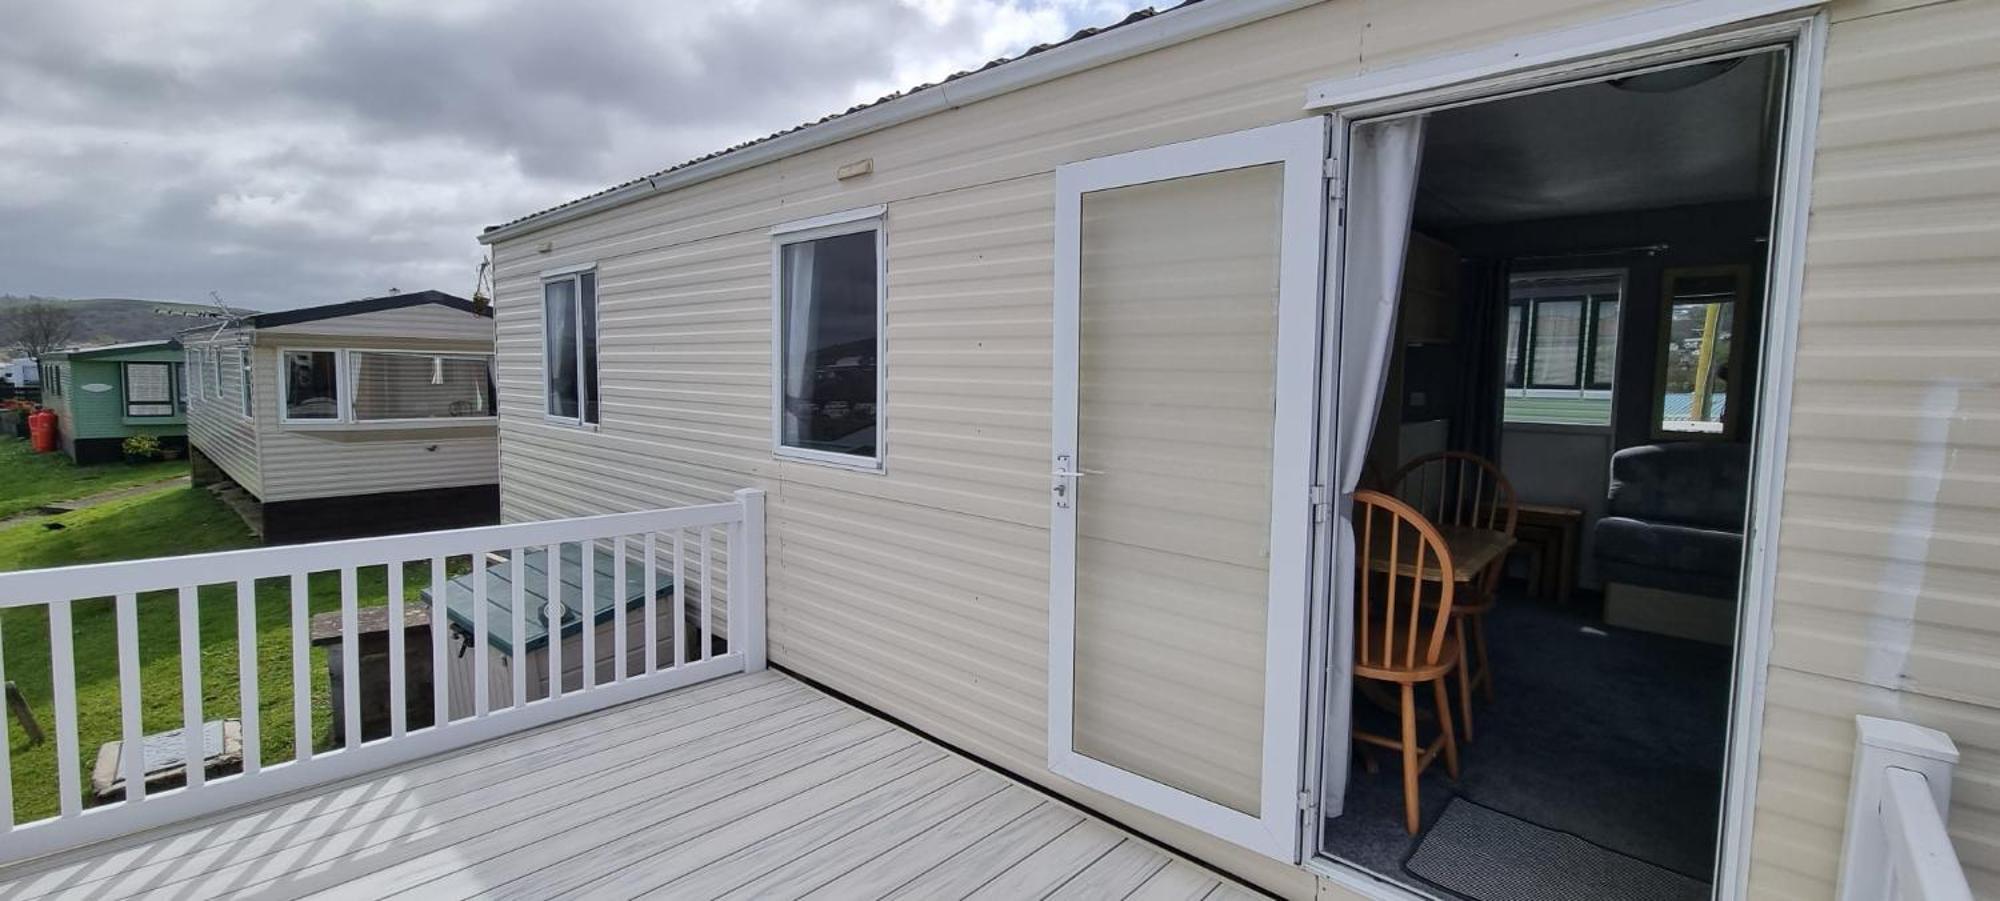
(29, 480)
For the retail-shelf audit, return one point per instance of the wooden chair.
(1401, 635)
(1461, 490)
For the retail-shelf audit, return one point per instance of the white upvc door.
(1187, 299)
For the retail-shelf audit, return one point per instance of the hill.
(114, 320)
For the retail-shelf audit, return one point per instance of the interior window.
(1695, 352)
(828, 341)
(420, 386)
(312, 385)
(569, 347)
(1562, 347)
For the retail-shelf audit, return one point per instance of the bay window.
(384, 386)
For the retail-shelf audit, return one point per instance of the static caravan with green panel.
(103, 395)
(1090, 389)
(367, 417)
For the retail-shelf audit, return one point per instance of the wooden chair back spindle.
(1401, 617)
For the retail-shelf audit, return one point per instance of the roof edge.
(1165, 29)
(71, 353)
(358, 307)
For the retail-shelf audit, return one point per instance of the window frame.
(246, 361)
(847, 222)
(213, 373)
(1592, 286)
(343, 369)
(340, 417)
(125, 400)
(574, 275)
(348, 371)
(1745, 296)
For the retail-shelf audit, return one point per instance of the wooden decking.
(754, 786)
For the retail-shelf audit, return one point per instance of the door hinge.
(1331, 170)
(1321, 499)
(1306, 801)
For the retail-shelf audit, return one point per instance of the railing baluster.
(620, 642)
(515, 573)
(350, 657)
(302, 716)
(707, 589)
(132, 760)
(481, 666)
(651, 579)
(440, 659)
(62, 666)
(680, 597)
(398, 679)
(586, 578)
(553, 610)
(195, 763)
(246, 676)
(6, 758)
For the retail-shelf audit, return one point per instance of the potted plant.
(141, 449)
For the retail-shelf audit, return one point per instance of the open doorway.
(1571, 365)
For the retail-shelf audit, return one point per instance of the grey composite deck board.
(749, 786)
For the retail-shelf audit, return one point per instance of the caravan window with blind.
(1562, 347)
(829, 343)
(401, 386)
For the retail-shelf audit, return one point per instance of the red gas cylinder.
(42, 430)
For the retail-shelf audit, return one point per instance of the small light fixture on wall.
(855, 169)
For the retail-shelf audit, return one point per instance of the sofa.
(1670, 549)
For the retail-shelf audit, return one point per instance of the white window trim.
(343, 369)
(339, 386)
(348, 405)
(849, 222)
(573, 275)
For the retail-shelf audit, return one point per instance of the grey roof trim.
(1141, 32)
(113, 349)
(365, 305)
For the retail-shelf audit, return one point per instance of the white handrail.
(520, 699)
(1896, 846)
(1922, 863)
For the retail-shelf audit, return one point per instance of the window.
(214, 374)
(393, 386)
(54, 379)
(1696, 347)
(569, 346)
(1562, 347)
(309, 381)
(828, 345)
(244, 357)
(181, 386)
(149, 389)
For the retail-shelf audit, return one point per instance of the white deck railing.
(1896, 845)
(661, 546)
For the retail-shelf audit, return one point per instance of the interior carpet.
(1476, 852)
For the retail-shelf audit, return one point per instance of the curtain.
(1475, 422)
(800, 315)
(1382, 163)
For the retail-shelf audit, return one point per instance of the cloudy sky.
(293, 153)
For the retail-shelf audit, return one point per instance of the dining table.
(1472, 550)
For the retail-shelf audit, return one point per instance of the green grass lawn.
(169, 522)
(29, 480)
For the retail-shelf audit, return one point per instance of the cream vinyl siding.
(217, 427)
(1888, 595)
(340, 460)
(924, 590)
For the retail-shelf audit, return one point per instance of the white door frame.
(1624, 44)
(1299, 146)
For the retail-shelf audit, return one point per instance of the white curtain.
(1382, 163)
(801, 315)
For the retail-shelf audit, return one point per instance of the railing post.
(1879, 745)
(746, 581)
